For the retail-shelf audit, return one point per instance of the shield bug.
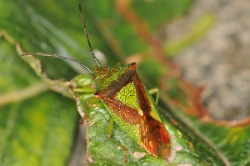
(127, 100)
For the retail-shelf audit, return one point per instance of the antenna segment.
(58, 56)
(87, 36)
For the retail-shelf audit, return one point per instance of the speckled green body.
(132, 107)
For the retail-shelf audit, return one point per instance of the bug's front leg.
(82, 89)
(157, 92)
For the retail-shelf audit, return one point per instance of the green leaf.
(36, 131)
(37, 126)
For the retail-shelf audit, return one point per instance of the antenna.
(58, 56)
(67, 58)
(87, 36)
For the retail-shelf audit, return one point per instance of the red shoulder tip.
(133, 65)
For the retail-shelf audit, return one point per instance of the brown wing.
(154, 136)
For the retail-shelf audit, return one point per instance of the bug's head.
(100, 71)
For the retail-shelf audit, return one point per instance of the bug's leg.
(157, 92)
(84, 105)
(110, 128)
(109, 135)
(83, 92)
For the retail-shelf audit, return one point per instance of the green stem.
(23, 94)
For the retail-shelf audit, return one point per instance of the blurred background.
(202, 47)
